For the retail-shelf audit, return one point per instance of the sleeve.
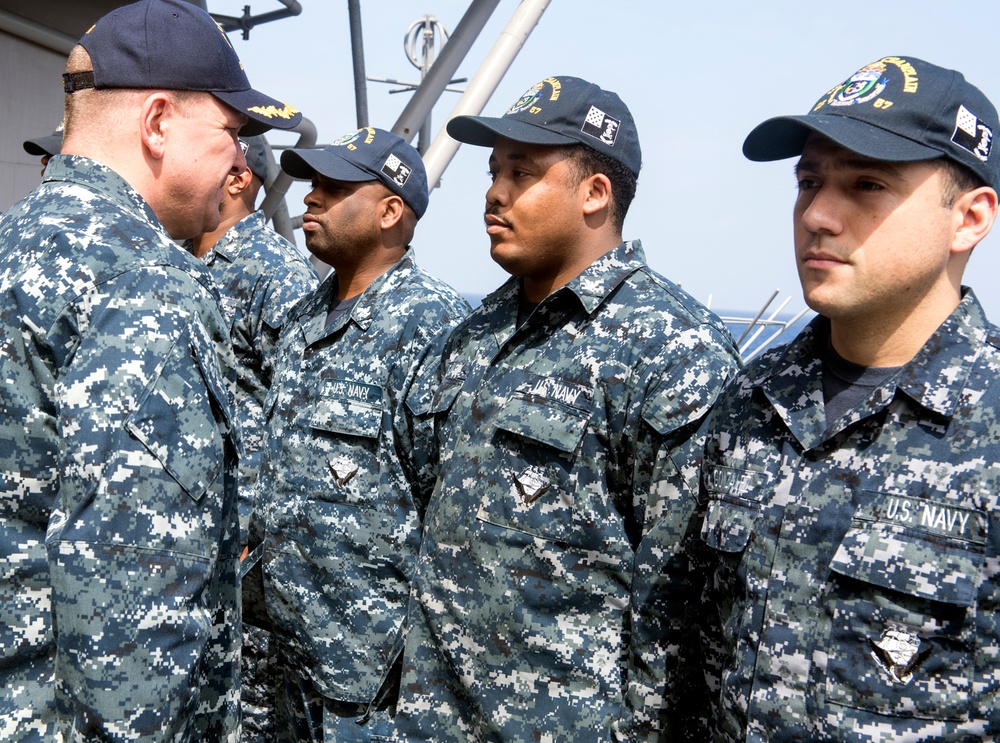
(664, 689)
(417, 422)
(142, 543)
(289, 284)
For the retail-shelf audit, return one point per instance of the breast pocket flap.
(545, 421)
(936, 552)
(356, 412)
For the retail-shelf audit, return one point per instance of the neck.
(538, 288)
(887, 340)
(353, 279)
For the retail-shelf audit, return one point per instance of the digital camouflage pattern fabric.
(119, 613)
(553, 577)
(855, 592)
(260, 276)
(338, 508)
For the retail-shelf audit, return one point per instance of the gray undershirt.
(846, 384)
(340, 307)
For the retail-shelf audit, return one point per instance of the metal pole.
(36, 33)
(279, 217)
(442, 71)
(358, 54)
(426, 62)
(246, 21)
(485, 82)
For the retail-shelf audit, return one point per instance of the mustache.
(494, 213)
(824, 249)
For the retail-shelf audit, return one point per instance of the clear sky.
(697, 78)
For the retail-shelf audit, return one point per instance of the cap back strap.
(76, 81)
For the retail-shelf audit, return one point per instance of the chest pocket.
(353, 418)
(734, 491)
(539, 432)
(356, 411)
(558, 422)
(184, 415)
(903, 609)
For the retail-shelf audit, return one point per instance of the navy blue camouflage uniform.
(552, 582)
(338, 507)
(855, 594)
(119, 613)
(260, 276)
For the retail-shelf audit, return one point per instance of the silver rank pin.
(343, 470)
(532, 483)
(898, 653)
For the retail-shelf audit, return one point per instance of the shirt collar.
(591, 286)
(378, 294)
(90, 173)
(934, 378)
(232, 243)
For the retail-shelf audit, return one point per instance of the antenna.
(422, 42)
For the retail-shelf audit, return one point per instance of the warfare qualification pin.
(898, 653)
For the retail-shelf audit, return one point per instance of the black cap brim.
(785, 136)
(264, 113)
(483, 131)
(40, 146)
(304, 163)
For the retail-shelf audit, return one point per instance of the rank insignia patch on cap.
(601, 126)
(395, 169)
(972, 134)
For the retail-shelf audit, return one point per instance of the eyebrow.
(513, 157)
(840, 164)
(320, 180)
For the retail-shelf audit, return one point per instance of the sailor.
(259, 276)
(338, 513)
(551, 592)
(120, 615)
(45, 147)
(851, 477)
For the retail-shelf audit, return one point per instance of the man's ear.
(596, 191)
(392, 211)
(237, 184)
(975, 212)
(154, 121)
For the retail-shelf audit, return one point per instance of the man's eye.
(869, 186)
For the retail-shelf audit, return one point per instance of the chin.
(822, 304)
(504, 259)
(313, 248)
(212, 223)
(182, 232)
